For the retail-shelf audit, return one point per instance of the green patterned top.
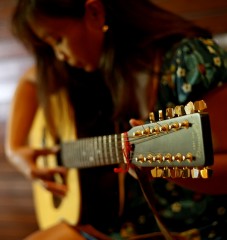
(190, 70)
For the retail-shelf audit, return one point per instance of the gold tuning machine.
(200, 106)
(160, 115)
(179, 110)
(206, 172)
(151, 117)
(169, 113)
(185, 172)
(189, 108)
(176, 172)
(197, 106)
(156, 172)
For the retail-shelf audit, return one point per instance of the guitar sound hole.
(56, 201)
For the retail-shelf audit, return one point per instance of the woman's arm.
(216, 104)
(23, 156)
(23, 109)
(192, 72)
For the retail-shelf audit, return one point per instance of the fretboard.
(92, 152)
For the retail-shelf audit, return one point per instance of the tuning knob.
(189, 108)
(166, 172)
(169, 112)
(160, 115)
(206, 172)
(156, 172)
(176, 172)
(151, 117)
(179, 110)
(200, 106)
(185, 172)
(195, 173)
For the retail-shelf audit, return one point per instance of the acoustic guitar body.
(49, 209)
(87, 189)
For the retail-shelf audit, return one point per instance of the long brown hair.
(139, 33)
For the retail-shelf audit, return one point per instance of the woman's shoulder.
(191, 68)
(29, 74)
(204, 47)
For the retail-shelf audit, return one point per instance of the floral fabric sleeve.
(190, 70)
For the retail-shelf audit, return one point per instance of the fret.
(90, 152)
(87, 156)
(111, 157)
(90, 158)
(101, 149)
(116, 146)
(105, 149)
(77, 147)
(97, 150)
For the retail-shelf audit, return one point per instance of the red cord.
(126, 152)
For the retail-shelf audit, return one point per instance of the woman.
(112, 61)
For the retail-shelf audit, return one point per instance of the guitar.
(178, 145)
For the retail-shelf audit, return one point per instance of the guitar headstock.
(177, 145)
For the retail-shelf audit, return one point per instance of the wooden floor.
(17, 215)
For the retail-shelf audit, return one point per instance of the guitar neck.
(92, 152)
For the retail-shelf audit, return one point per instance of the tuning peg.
(137, 133)
(200, 106)
(174, 126)
(160, 115)
(206, 172)
(166, 172)
(195, 173)
(140, 158)
(165, 128)
(185, 124)
(189, 108)
(156, 172)
(151, 117)
(168, 157)
(185, 172)
(189, 157)
(176, 172)
(179, 110)
(169, 112)
(178, 157)
(146, 131)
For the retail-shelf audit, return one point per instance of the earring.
(61, 56)
(105, 28)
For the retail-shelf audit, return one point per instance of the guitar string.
(117, 144)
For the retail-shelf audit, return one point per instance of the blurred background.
(17, 214)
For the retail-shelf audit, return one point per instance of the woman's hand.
(52, 178)
(136, 122)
